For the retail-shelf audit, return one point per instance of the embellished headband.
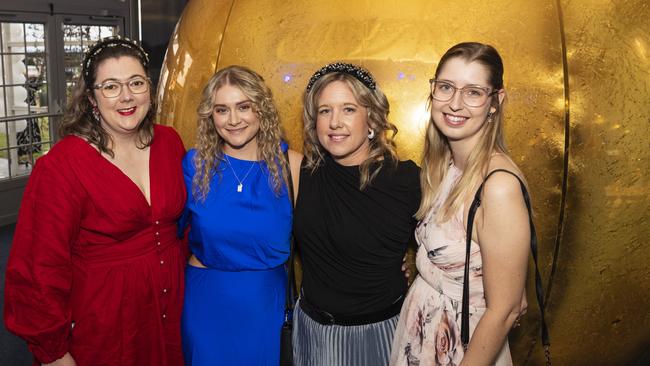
(114, 41)
(357, 72)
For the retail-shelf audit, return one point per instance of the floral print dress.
(428, 332)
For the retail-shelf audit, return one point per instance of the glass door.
(40, 59)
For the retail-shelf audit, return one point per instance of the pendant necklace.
(240, 186)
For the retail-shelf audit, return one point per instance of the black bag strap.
(291, 275)
(464, 331)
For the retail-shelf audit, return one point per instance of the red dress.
(94, 270)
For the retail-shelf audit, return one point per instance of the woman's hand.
(523, 307)
(66, 360)
(405, 268)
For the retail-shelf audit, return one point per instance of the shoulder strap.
(291, 275)
(464, 332)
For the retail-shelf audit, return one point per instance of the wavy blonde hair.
(437, 152)
(209, 149)
(382, 146)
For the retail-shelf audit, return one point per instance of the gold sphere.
(577, 123)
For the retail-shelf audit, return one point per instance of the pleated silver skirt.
(315, 344)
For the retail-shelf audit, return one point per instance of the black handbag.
(464, 328)
(286, 333)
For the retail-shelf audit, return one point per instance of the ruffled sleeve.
(39, 271)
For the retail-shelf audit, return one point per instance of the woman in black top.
(352, 222)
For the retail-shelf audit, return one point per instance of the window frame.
(54, 14)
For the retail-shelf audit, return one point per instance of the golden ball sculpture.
(577, 123)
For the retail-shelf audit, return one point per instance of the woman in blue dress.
(240, 218)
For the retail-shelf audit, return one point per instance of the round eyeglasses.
(471, 95)
(113, 88)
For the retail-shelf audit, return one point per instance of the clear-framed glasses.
(113, 88)
(471, 95)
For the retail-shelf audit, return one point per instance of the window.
(24, 121)
(77, 39)
(32, 96)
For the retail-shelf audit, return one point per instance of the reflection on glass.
(5, 35)
(3, 136)
(107, 31)
(72, 48)
(71, 38)
(4, 164)
(14, 69)
(45, 147)
(19, 165)
(13, 37)
(36, 66)
(69, 85)
(72, 65)
(77, 40)
(35, 37)
(17, 97)
(90, 35)
(29, 140)
(36, 83)
(44, 126)
(15, 131)
(38, 101)
(3, 113)
(23, 91)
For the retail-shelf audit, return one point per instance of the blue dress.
(234, 309)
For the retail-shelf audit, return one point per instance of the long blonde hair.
(382, 146)
(437, 152)
(209, 150)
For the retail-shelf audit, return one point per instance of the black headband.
(357, 72)
(114, 41)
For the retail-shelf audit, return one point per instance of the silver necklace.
(240, 186)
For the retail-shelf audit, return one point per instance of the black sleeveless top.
(352, 242)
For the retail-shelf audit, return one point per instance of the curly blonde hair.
(209, 149)
(382, 146)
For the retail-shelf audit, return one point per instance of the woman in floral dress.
(464, 143)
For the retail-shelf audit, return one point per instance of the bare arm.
(504, 235)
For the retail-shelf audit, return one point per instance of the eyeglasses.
(113, 88)
(472, 95)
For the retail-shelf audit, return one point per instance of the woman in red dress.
(95, 274)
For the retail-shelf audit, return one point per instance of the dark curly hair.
(78, 118)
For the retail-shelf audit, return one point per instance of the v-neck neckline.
(124, 175)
